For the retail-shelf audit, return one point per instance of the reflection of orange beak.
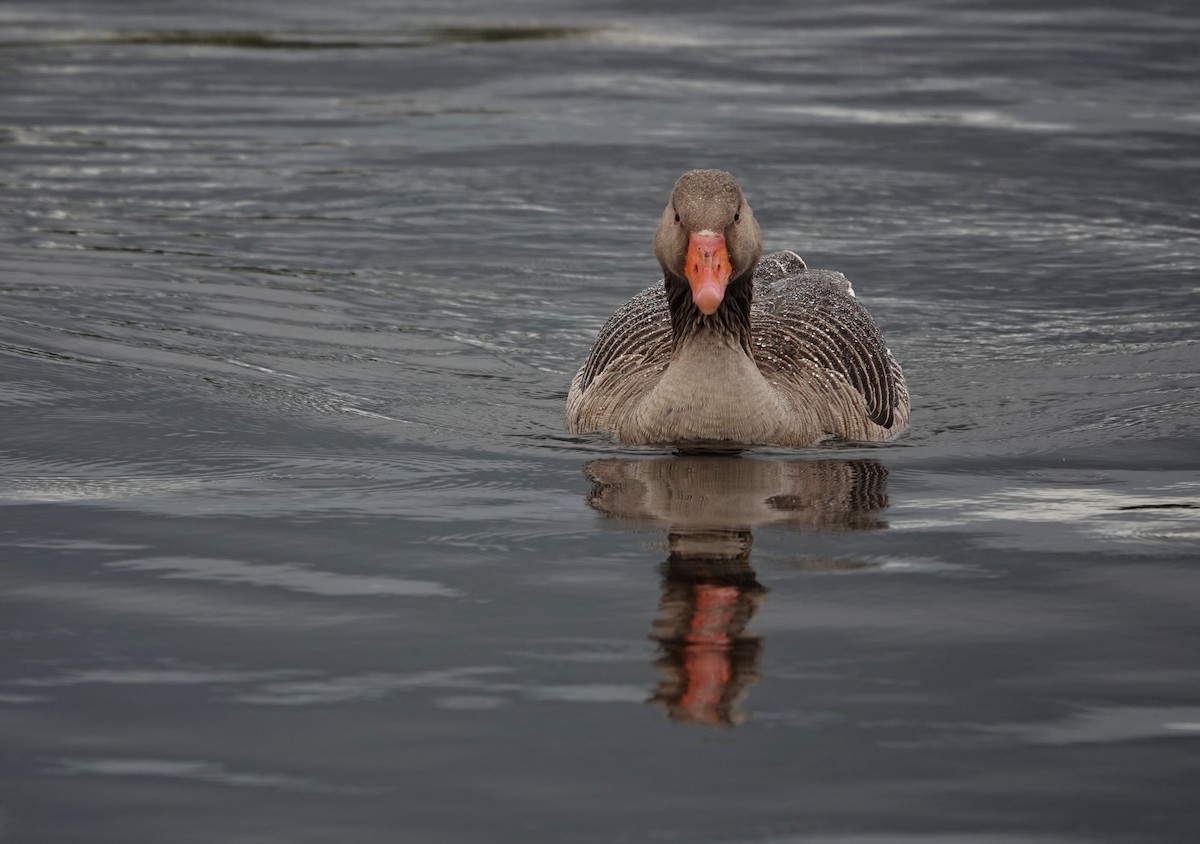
(707, 270)
(707, 658)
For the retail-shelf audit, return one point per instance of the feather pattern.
(813, 315)
(735, 349)
(808, 328)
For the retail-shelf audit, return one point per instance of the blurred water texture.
(296, 547)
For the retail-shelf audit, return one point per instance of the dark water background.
(295, 545)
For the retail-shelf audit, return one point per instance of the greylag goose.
(731, 350)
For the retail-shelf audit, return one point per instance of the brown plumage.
(732, 350)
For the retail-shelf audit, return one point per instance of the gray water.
(296, 547)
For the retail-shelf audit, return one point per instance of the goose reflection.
(710, 592)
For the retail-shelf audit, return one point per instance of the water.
(296, 547)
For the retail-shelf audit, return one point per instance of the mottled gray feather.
(797, 315)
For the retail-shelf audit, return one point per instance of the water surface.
(296, 546)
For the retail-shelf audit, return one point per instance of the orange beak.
(707, 270)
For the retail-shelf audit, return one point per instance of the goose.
(734, 349)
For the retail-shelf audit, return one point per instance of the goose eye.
(677, 218)
(736, 216)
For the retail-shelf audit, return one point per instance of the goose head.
(707, 240)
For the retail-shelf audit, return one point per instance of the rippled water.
(296, 547)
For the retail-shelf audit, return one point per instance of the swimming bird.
(734, 349)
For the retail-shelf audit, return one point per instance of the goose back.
(813, 315)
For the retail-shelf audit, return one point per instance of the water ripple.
(194, 770)
(292, 577)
